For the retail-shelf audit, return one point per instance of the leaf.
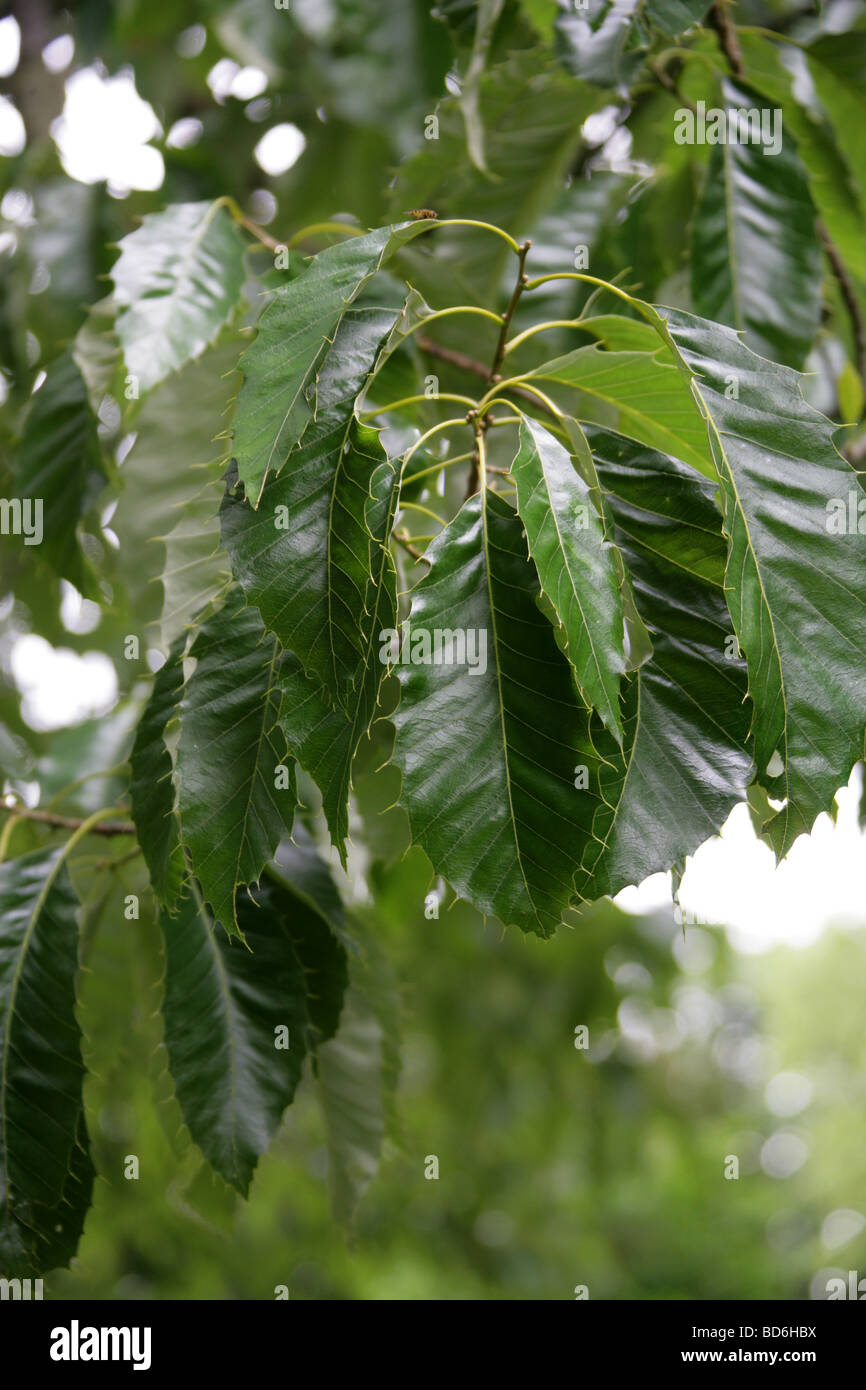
(357, 1073)
(684, 764)
(312, 557)
(279, 395)
(489, 752)
(167, 518)
(45, 1172)
(177, 281)
(59, 466)
(637, 393)
(232, 810)
(796, 583)
(837, 63)
(602, 43)
(834, 187)
(486, 19)
(576, 567)
(151, 785)
(224, 1009)
(532, 117)
(673, 16)
(755, 257)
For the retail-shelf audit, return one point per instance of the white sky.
(108, 132)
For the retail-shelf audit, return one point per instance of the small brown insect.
(423, 212)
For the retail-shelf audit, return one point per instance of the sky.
(106, 131)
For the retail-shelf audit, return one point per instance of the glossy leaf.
(796, 583)
(576, 567)
(685, 763)
(239, 1020)
(279, 396)
(236, 795)
(312, 556)
(756, 262)
(45, 1172)
(489, 753)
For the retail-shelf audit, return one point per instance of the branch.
(471, 364)
(849, 295)
(719, 20)
(68, 822)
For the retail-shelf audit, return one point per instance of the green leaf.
(489, 748)
(685, 764)
(532, 116)
(177, 281)
(601, 43)
(357, 1073)
(151, 785)
(59, 466)
(576, 567)
(167, 518)
(641, 394)
(673, 16)
(313, 558)
(837, 65)
(755, 257)
(833, 185)
(232, 804)
(279, 396)
(45, 1172)
(796, 582)
(225, 1006)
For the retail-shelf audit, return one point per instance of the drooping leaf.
(490, 738)
(58, 466)
(236, 796)
(755, 257)
(151, 785)
(837, 65)
(357, 1071)
(837, 192)
(796, 583)
(226, 1010)
(576, 566)
(312, 556)
(177, 281)
(684, 764)
(45, 1172)
(279, 396)
(637, 393)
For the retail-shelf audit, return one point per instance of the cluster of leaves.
(633, 530)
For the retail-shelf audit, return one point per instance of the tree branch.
(720, 20)
(68, 822)
(849, 295)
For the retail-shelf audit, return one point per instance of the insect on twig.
(423, 212)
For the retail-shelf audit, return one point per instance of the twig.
(68, 822)
(471, 364)
(728, 42)
(498, 357)
(407, 546)
(850, 297)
